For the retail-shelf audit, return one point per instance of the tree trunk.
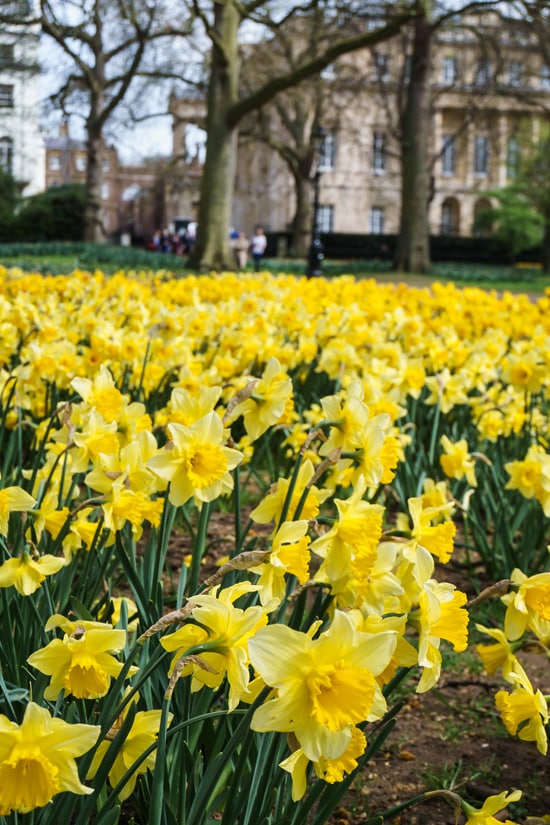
(93, 224)
(301, 222)
(212, 250)
(413, 247)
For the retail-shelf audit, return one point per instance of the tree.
(101, 48)
(288, 124)
(8, 204)
(514, 223)
(521, 218)
(535, 182)
(55, 215)
(413, 253)
(227, 106)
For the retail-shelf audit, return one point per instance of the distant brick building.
(66, 161)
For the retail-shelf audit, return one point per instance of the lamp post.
(316, 249)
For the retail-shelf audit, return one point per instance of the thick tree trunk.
(413, 247)
(212, 249)
(301, 223)
(93, 224)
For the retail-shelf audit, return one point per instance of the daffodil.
(431, 529)
(498, 655)
(271, 506)
(530, 597)
(26, 572)
(101, 393)
(324, 686)
(330, 770)
(524, 711)
(456, 461)
(13, 500)
(197, 464)
(356, 531)
(289, 553)
(492, 805)
(140, 737)
(37, 759)
(220, 637)
(440, 615)
(83, 662)
(531, 476)
(268, 400)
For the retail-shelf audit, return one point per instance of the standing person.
(258, 243)
(240, 250)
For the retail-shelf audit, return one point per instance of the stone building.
(490, 99)
(21, 145)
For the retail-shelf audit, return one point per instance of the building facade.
(123, 185)
(21, 144)
(490, 90)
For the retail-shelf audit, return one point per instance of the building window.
(325, 218)
(6, 155)
(380, 67)
(377, 220)
(327, 155)
(515, 73)
(450, 70)
(513, 157)
(481, 156)
(482, 74)
(545, 77)
(105, 165)
(379, 154)
(6, 96)
(449, 217)
(104, 191)
(448, 155)
(54, 163)
(6, 54)
(80, 163)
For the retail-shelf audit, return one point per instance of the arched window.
(6, 155)
(450, 217)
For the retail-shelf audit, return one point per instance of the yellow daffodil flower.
(197, 464)
(83, 663)
(492, 805)
(142, 734)
(530, 597)
(37, 759)
(524, 711)
(268, 401)
(456, 461)
(222, 636)
(289, 553)
(357, 531)
(13, 500)
(324, 686)
(27, 573)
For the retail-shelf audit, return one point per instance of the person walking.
(258, 244)
(240, 250)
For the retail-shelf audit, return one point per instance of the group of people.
(255, 246)
(178, 243)
(182, 244)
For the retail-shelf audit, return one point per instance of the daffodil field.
(361, 438)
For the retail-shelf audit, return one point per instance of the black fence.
(347, 246)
